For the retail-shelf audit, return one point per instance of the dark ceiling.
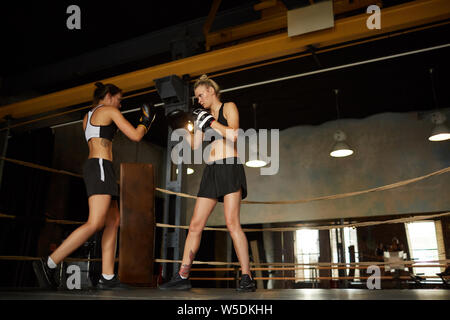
(400, 84)
(35, 32)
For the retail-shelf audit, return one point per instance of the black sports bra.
(221, 119)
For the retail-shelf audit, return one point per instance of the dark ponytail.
(102, 90)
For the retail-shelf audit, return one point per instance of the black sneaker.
(247, 284)
(44, 274)
(114, 283)
(176, 283)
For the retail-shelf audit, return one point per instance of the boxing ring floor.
(225, 294)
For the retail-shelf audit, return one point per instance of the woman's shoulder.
(101, 107)
(227, 106)
(107, 109)
(104, 113)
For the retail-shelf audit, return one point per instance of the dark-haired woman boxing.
(100, 125)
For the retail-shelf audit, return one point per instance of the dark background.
(34, 33)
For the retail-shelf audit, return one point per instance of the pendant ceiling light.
(440, 131)
(340, 148)
(258, 162)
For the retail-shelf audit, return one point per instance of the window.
(307, 250)
(423, 245)
(350, 239)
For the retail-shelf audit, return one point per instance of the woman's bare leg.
(98, 208)
(109, 238)
(232, 205)
(202, 210)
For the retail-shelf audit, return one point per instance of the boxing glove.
(203, 119)
(147, 117)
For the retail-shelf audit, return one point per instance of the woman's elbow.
(135, 137)
(233, 136)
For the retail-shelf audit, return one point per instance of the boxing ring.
(137, 217)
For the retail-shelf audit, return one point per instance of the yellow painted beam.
(408, 15)
(257, 27)
(342, 6)
(264, 5)
(273, 17)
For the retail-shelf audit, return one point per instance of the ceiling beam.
(210, 19)
(395, 18)
(264, 4)
(343, 6)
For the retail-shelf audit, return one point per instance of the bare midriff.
(221, 149)
(100, 148)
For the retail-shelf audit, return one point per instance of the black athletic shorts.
(220, 179)
(99, 177)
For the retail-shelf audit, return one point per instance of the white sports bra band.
(93, 131)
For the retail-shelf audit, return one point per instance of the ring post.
(137, 224)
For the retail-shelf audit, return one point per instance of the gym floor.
(225, 294)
